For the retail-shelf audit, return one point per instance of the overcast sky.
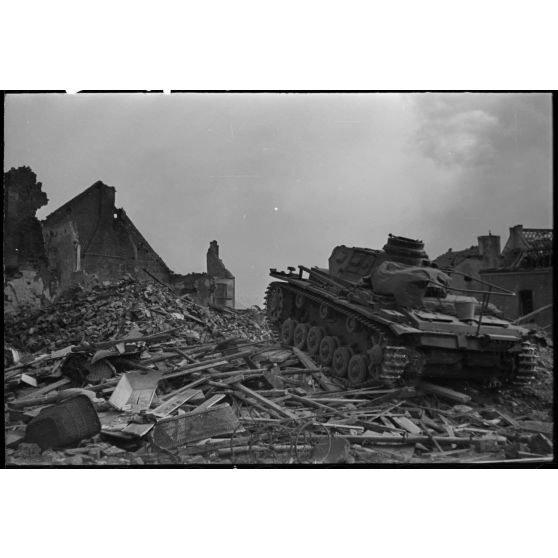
(280, 179)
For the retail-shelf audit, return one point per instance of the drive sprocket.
(526, 365)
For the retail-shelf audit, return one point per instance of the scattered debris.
(113, 377)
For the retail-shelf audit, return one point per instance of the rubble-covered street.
(129, 373)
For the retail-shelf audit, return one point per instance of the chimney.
(489, 249)
(515, 238)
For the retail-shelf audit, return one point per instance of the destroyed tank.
(391, 315)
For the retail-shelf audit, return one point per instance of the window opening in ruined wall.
(525, 302)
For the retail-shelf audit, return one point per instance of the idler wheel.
(358, 370)
(315, 336)
(287, 331)
(299, 336)
(279, 304)
(327, 348)
(340, 362)
(352, 325)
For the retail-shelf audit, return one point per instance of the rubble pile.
(115, 309)
(130, 374)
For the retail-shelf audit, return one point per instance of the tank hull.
(393, 344)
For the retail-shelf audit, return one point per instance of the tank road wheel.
(300, 335)
(357, 370)
(287, 331)
(352, 325)
(340, 362)
(526, 370)
(327, 348)
(315, 336)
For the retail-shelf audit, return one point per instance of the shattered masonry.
(224, 279)
(26, 277)
(85, 241)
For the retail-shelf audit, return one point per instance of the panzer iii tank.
(389, 315)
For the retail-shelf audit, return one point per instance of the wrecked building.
(26, 277)
(224, 279)
(471, 260)
(89, 236)
(84, 241)
(523, 266)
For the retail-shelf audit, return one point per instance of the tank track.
(393, 365)
(526, 371)
(394, 358)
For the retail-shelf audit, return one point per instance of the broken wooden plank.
(313, 403)
(305, 359)
(203, 365)
(403, 393)
(210, 402)
(267, 402)
(108, 344)
(170, 405)
(527, 317)
(336, 400)
(274, 379)
(415, 439)
(536, 426)
(193, 384)
(138, 429)
(428, 422)
(407, 424)
(445, 392)
(42, 391)
(525, 460)
(257, 405)
(325, 382)
(507, 418)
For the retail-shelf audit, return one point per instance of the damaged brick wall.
(87, 240)
(224, 279)
(200, 287)
(26, 277)
(88, 236)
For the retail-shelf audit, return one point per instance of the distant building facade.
(523, 266)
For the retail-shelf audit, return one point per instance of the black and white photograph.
(278, 279)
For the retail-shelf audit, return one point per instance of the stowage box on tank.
(385, 315)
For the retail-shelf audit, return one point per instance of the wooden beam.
(445, 392)
(266, 402)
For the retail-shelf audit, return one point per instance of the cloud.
(480, 129)
(495, 153)
(459, 139)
